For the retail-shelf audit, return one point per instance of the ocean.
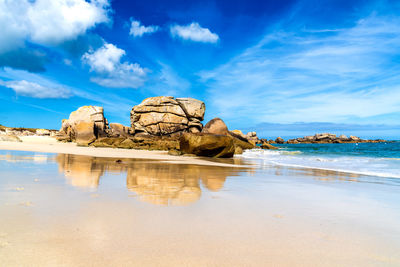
(372, 159)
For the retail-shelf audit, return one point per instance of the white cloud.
(48, 22)
(111, 72)
(341, 76)
(35, 90)
(194, 32)
(138, 30)
(105, 59)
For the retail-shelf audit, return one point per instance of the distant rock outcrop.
(165, 115)
(327, 138)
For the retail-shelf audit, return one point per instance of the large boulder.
(165, 115)
(279, 140)
(88, 114)
(208, 145)
(216, 126)
(84, 132)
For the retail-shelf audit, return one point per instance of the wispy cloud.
(32, 85)
(138, 30)
(111, 72)
(194, 32)
(336, 75)
(35, 90)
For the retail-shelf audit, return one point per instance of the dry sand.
(50, 145)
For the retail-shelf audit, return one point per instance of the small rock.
(174, 152)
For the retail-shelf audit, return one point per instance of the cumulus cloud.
(194, 32)
(35, 90)
(48, 22)
(111, 72)
(138, 30)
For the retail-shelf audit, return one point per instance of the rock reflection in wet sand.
(153, 181)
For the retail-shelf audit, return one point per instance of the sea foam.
(370, 166)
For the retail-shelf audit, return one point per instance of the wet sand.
(74, 210)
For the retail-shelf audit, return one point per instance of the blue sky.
(278, 67)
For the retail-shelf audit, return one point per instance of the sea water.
(374, 159)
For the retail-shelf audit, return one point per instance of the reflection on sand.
(80, 171)
(36, 158)
(153, 181)
(172, 184)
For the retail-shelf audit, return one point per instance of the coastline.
(50, 145)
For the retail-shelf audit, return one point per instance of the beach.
(151, 209)
(50, 145)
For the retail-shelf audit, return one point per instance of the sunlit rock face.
(154, 182)
(164, 115)
(93, 115)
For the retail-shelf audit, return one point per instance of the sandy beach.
(78, 210)
(50, 145)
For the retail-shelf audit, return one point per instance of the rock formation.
(87, 114)
(165, 115)
(216, 126)
(209, 145)
(84, 132)
(119, 130)
(326, 138)
(252, 136)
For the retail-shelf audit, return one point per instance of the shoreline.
(50, 145)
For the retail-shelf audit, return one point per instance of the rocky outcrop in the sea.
(91, 122)
(326, 138)
(166, 115)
